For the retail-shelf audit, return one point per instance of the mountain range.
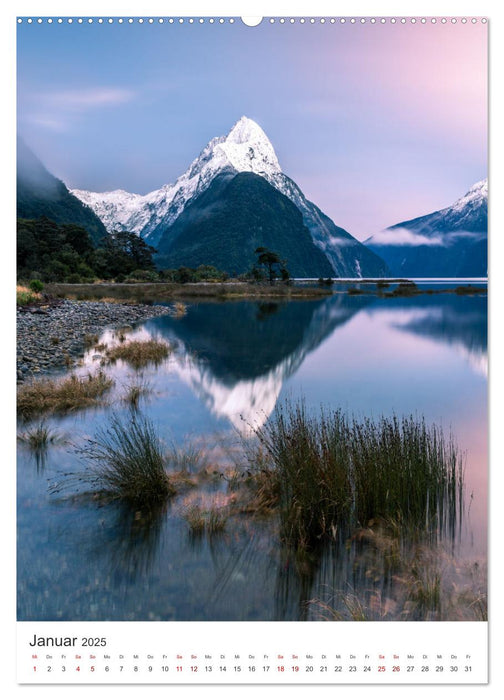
(451, 242)
(185, 219)
(234, 198)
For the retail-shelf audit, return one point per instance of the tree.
(124, 252)
(274, 266)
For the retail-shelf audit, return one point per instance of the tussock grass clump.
(90, 340)
(134, 392)
(26, 296)
(186, 458)
(61, 396)
(179, 309)
(195, 518)
(211, 521)
(140, 353)
(125, 461)
(39, 437)
(330, 471)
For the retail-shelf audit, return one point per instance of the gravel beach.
(52, 336)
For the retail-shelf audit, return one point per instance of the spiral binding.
(270, 20)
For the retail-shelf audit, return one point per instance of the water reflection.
(237, 356)
(455, 321)
(127, 543)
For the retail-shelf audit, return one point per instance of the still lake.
(233, 362)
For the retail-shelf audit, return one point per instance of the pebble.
(69, 322)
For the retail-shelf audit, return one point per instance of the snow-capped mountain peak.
(246, 148)
(244, 130)
(449, 242)
(476, 194)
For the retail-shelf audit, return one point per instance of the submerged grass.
(423, 582)
(139, 353)
(211, 521)
(61, 396)
(125, 461)
(329, 471)
(187, 458)
(134, 392)
(39, 437)
(179, 309)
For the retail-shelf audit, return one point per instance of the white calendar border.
(272, 8)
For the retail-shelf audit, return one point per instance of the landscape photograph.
(252, 363)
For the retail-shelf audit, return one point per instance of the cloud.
(340, 241)
(58, 110)
(406, 237)
(403, 236)
(82, 100)
(46, 122)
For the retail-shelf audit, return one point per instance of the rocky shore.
(53, 335)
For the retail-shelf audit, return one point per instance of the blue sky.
(375, 123)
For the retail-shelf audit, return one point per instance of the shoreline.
(157, 291)
(151, 292)
(52, 335)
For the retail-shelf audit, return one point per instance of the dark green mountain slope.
(234, 216)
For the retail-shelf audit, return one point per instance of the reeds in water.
(125, 461)
(211, 521)
(39, 437)
(61, 396)
(140, 353)
(330, 471)
(136, 391)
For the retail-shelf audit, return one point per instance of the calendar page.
(251, 360)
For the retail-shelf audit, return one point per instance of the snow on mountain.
(477, 193)
(467, 214)
(474, 200)
(116, 209)
(450, 242)
(246, 148)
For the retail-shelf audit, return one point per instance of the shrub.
(142, 276)
(36, 286)
(406, 289)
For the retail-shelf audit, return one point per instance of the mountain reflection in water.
(237, 356)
